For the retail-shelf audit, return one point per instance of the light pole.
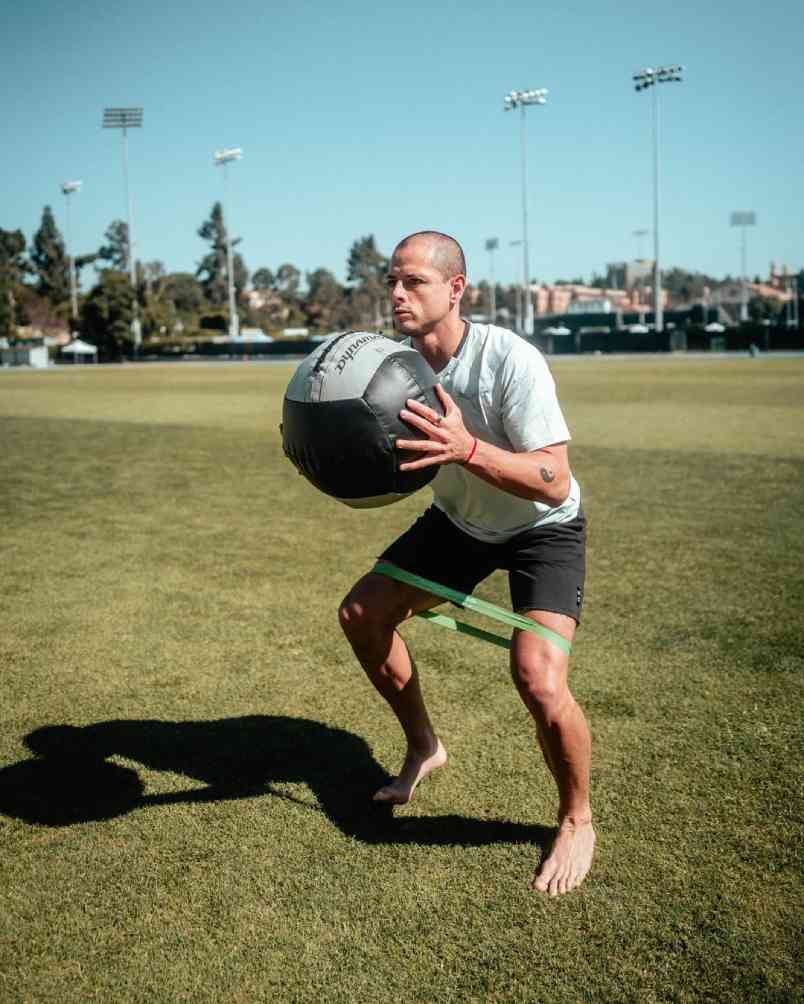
(125, 119)
(650, 77)
(520, 295)
(521, 99)
(68, 188)
(491, 246)
(743, 220)
(222, 159)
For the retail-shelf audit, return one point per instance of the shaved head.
(446, 253)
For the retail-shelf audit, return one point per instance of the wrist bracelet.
(471, 452)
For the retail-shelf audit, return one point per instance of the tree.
(183, 291)
(276, 302)
(509, 299)
(263, 279)
(761, 308)
(12, 269)
(80, 261)
(325, 305)
(686, 287)
(107, 314)
(288, 278)
(366, 269)
(212, 268)
(49, 259)
(482, 304)
(115, 251)
(150, 275)
(8, 328)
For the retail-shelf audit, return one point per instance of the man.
(504, 497)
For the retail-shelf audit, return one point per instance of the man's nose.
(397, 291)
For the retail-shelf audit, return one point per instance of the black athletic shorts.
(546, 565)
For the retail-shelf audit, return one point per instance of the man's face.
(420, 295)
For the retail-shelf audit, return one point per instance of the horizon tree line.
(35, 289)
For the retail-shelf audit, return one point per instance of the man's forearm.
(540, 476)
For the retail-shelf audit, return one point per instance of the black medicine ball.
(340, 417)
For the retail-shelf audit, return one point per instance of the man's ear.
(457, 286)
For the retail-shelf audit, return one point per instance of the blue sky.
(362, 118)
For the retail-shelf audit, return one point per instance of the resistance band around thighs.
(470, 603)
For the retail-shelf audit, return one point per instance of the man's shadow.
(69, 779)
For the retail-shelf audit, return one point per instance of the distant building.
(596, 305)
(629, 274)
(576, 298)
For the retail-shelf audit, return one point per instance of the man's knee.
(541, 678)
(352, 615)
(362, 614)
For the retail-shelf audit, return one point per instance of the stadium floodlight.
(512, 100)
(125, 119)
(221, 159)
(644, 79)
(226, 156)
(491, 246)
(69, 188)
(743, 220)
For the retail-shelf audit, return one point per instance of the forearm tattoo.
(547, 474)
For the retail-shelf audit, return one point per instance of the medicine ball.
(340, 418)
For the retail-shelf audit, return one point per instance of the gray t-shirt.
(507, 396)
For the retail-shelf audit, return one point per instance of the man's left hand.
(447, 442)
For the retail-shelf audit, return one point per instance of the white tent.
(78, 349)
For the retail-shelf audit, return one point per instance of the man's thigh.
(547, 568)
(434, 548)
(385, 600)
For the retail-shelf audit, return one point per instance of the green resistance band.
(470, 603)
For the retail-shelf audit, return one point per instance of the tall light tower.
(743, 220)
(491, 246)
(222, 159)
(520, 296)
(69, 188)
(650, 77)
(521, 99)
(125, 119)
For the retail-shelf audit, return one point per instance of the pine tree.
(50, 262)
(367, 269)
(107, 314)
(115, 250)
(212, 267)
(12, 268)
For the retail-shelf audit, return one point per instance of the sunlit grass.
(203, 832)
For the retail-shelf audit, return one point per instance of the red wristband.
(471, 452)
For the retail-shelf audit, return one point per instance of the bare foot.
(569, 859)
(414, 769)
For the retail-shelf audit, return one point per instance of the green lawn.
(188, 748)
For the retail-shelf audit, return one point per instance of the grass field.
(188, 748)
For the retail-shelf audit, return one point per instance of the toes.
(540, 881)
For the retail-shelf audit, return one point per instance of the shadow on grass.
(69, 780)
